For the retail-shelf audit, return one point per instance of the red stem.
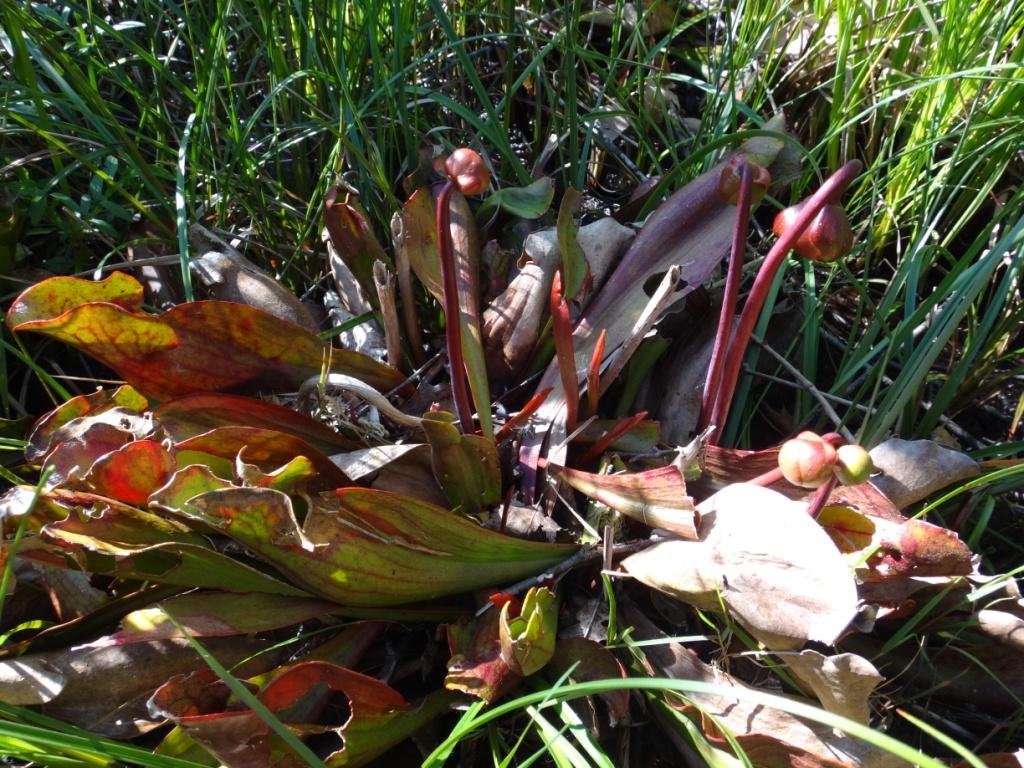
(766, 478)
(594, 374)
(622, 427)
(452, 313)
(834, 439)
(524, 414)
(820, 497)
(732, 291)
(561, 331)
(829, 192)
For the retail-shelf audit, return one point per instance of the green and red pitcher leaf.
(368, 548)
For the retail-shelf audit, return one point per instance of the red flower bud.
(807, 460)
(827, 238)
(467, 171)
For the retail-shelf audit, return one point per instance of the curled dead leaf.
(1004, 626)
(229, 276)
(512, 323)
(103, 686)
(842, 683)
(656, 497)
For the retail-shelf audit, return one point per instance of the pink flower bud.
(807, 460)
(467, 171)
(829, 236)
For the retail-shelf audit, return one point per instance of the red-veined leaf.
(193, 415)
(656, 497)
(266, 448)
(49, 427)
(131, 473)
(361, 547)
(202, 346)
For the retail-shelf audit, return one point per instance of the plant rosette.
(528, 640)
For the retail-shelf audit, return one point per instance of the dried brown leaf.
(767, 736)
(842, 683)
(914, 469)
(774, 567)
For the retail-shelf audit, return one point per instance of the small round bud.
(729, 181)
(467, 171)
(814, 437)
(853, 465)
(827, 238)
(807, 460)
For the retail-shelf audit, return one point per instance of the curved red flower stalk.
(452, 325)
(729, 296)
(466, 172)
(829, 192)
(561, 330)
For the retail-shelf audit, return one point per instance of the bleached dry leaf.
(914, 469)
(359, 464)
(842, 683)
(103, 687)
(682, 569)
(655, 497)
(526, 522)
(782, 573)
(775, 568)
(1003, 626)
(512, 322)
(229, 276)
(767, 736)
(30, 681)
(602, 242)
(365, 337)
